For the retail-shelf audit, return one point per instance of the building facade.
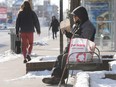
(3, 12)
(47, 11)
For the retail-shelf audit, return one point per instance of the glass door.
(101, 15)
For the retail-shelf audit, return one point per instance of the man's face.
(75, 19)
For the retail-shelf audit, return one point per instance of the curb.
(35, 66)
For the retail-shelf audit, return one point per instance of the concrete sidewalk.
(11, 70)
(15, 69)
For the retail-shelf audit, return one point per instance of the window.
(101, 14)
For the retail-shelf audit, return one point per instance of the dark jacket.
(54, 25)
(85, 29)
(26, 22)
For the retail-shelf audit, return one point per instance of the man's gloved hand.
(68, 34)
(17, 35)
(65, 32)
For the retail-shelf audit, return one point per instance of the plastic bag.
(81, 50)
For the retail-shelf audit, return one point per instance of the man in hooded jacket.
(82, 28)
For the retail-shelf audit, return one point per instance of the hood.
(81, 12)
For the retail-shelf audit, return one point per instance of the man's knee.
(60, 57)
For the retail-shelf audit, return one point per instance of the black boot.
(52, 81)
(28, 58)
(25, 61)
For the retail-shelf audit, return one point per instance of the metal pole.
(61, 18)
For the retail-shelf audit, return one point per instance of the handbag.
(18, 45)
(80, 50)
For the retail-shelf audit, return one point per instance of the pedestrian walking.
(55, 25)
(83, 29)
(26, 23)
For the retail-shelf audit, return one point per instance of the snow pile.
(9, 55)
(97, 79)
(82, 80)
(43, 59)
(114, 57)
(112, 65)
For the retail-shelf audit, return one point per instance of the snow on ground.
(96, 78)
(43, 59)
(33, 75)
(41, 42)
(8, 55)
(113, 65)
(82, 79)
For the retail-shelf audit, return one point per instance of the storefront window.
(101, 14)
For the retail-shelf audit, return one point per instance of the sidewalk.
(11, 71)
(15, 69)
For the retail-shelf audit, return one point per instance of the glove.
(17, 35)
(68, 34)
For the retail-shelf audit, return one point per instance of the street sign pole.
(61, 19)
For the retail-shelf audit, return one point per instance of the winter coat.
(26, 22)
(54, 25)
(85, 28)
